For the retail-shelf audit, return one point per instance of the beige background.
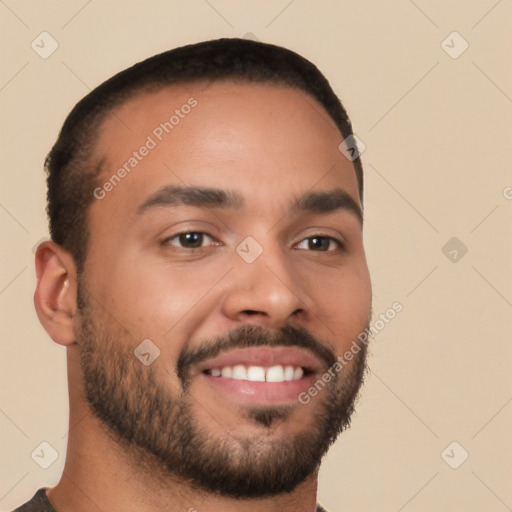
(437, 135)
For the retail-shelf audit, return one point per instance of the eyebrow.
(315, 202)
(328, 202)
(193, 196)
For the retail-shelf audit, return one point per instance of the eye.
(189, 240)
(319, 243)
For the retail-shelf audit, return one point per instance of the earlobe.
(55, 294)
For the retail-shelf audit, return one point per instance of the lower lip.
(260, 393)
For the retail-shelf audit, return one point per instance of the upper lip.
(264, 356)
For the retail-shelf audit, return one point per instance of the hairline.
(99, 161)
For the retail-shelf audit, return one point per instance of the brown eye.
(189, 240)
(319, 243)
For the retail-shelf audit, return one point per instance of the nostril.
(252, 312)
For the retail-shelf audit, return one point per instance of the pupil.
(191, 239)
(321, 244)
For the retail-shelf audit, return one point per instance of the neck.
(101, 474)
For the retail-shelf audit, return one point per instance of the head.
(209, 237)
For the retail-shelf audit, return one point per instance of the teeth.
(288, 373)
(227, 372)
(256, 374)
(239, 372)
(298, 373)
(276, 373)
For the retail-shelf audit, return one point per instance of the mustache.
(252, 336)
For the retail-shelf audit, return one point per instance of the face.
(232, 245)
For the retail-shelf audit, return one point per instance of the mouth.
(261, 375)
(276, 373)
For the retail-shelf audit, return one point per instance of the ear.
(55, 295)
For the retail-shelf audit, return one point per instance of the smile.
(259, 375)
(278, 373)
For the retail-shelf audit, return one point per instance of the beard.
(160, 430)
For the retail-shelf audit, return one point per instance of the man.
(206, 274)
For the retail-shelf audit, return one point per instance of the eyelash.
(326, 237)
(166, 241)
(177, 235)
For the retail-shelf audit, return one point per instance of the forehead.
(244, 136)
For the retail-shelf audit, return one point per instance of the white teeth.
(256, 374)
(227, 372)
(276, 373)
(239, 372)
(298, 373)
(288, 373)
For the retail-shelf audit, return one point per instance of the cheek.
(153, 299)
(344, 303)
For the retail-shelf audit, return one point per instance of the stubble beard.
(161, 434)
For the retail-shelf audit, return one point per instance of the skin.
(268, 144)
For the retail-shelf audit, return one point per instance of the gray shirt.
(40, 503)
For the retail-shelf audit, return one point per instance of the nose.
(265, 292)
